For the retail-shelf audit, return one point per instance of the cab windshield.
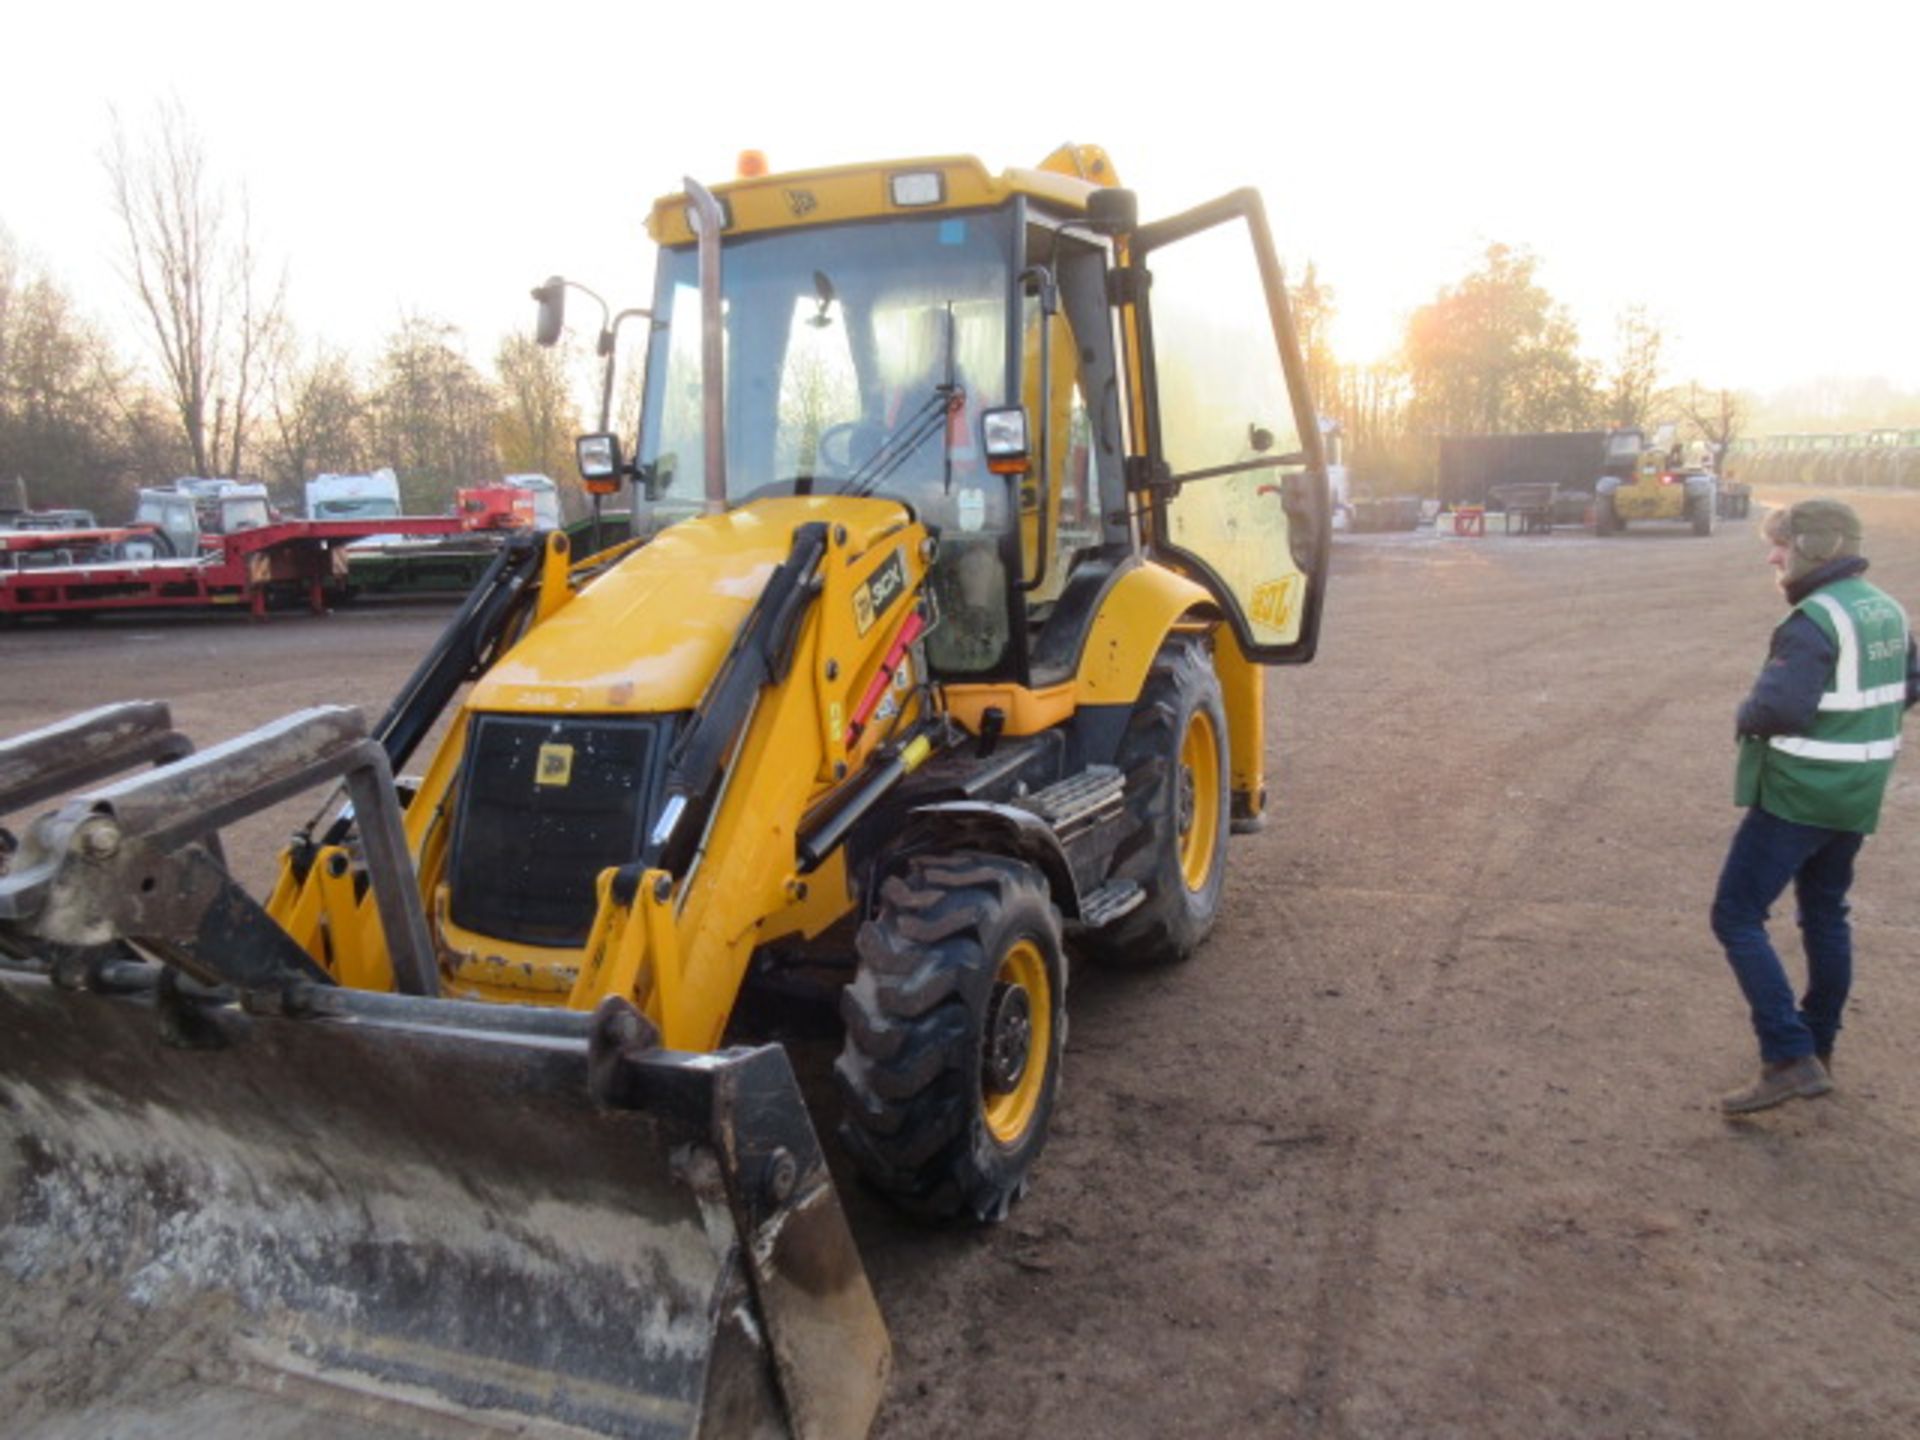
(246, 513)
(858, 360)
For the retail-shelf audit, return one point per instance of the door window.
(1230, 423)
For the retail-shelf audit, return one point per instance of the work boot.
(1780, 1080)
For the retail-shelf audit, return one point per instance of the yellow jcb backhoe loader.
(968, 510)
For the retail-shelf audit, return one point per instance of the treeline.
(1838, 406)
(81, 425)
(238, 391)
(1492, 354)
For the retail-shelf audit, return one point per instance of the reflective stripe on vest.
(1846, 696)
(1835, 750)
(1846, 693)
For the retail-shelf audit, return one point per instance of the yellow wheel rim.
(1017, 1048)
(1198, 803)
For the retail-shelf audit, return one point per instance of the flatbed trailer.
(426, 566)
(452, 566)
(43, 547)
(306, 559)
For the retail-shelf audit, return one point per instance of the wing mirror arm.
(602, 468)
(605, 347)
(1039, 281)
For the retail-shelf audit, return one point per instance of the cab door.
(1230, 464)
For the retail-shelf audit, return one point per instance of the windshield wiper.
(905, 441)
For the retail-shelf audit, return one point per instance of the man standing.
(1818, 736)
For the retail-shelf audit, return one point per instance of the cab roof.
(864, 191)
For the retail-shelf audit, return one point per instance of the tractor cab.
(195, 510)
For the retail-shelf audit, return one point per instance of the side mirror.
(601, 467)
(1113, 211)
(553, 311)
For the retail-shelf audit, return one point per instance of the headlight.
(918, 187)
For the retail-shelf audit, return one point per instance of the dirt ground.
(1422, 1142)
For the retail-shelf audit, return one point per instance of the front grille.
(545, 806)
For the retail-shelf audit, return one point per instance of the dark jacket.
(1786, 697)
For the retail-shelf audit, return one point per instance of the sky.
(1744, 178)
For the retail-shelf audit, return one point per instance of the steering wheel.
(844, 448)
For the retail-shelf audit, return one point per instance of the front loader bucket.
(405, 1216)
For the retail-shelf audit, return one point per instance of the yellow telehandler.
(968, 510)
(1666, 483)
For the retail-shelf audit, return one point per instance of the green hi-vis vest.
(1835, 775)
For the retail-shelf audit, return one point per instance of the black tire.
(1606, 520)
(1166, 831)
(934, 1117)
(1703, 516)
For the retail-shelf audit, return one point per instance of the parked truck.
(374, 496)
(452, 564)
(545, 497)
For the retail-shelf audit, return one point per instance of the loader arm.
(485, 620)
(125, 863)
(724, 870)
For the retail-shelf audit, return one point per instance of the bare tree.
(197, 279)
(1373, 404)
(1719, 415)
(432, 414)
(10, 280)
(1312, 302)
(1635, 376)
(63, 395)
(538, 417)
(320, 418)
(1496, 353)
(260, 326)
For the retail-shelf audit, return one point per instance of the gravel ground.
(1422, 1142)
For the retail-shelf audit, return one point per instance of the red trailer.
(304, 559)
(38, 547)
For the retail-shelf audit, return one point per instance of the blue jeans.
(1766, 853)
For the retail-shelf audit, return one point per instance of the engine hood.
(646, 637)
